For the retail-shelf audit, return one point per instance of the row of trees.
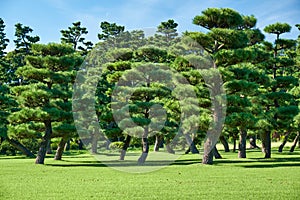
(260, 80)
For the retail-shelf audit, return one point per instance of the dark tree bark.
(158, 142)
(43, 146)
(234, 145)
(192, 147)
(242, 144)
(225, 143)
(295, 142)
(68, 145)
(266, 143)
(49, 150)
(208, 158)
(216, 153)
(125, 147)
(285, 139)
(145, 151)
(20, 147)
(253, 144)
(60, 148)
(80, 144)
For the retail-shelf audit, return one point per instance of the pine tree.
(44, 101)
(15, 59)
(109, 30)
(24, 41)
(4, 66)
(227, 41)
(74, 35)
(281, 106)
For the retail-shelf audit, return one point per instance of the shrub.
(116, 145)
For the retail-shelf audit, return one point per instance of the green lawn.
(80, 176)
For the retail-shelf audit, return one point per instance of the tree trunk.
(242, 144)
(234, 145)
(125, 147)
(266, 143)
(158, 142)
(49, 150)
(295, 142)
(20, 147)
(192, 147)
(60, 148)
(80, 144)
(208, 158)
(107, 144)
(43, 146)
(168, 146)
(253, 144)
(94, 144)
(145, 152)
(285, 139)
(216, 153)
(68, 145)
(225, 143)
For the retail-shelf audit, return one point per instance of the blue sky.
(48, 17)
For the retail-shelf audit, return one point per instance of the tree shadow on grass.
(261, 162)
(14, 157)
(118, 163)
(273, 165)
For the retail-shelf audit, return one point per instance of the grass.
(80, 176)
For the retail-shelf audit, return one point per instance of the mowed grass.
(80, 176)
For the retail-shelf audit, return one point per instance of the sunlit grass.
(81, 176)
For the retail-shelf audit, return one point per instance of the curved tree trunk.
(285, 139)
(125, 147)
(266, 143)
(60, 148)
(208, 158)
(145, 151)
(20, 147)
(295, 142)
(43, 146)
(158, 142)
(49, 150)
(242, 144)
(225, 143)
(192, 147)
(216, 153)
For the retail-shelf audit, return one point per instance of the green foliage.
(219, 18)
(168, 28)
(278, 28)
(249, 22)
(44, 103)
(116, 145)
(24, 40)
(109, 30)
(3, 40)
(74, 36)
